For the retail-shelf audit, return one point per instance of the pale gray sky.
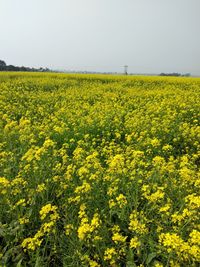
(150, 36)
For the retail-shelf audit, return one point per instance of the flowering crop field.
(99, 170)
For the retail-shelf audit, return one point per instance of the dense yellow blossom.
(99, 170)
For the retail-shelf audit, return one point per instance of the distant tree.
(2, 63)
(186, 75)
(11, 68)
(4, 67)
(23, 68)
(175, 74)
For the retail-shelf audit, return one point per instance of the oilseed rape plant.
(99, 170)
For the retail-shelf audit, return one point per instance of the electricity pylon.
(125, 69)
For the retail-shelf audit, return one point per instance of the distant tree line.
(175, 74)
(4, 67)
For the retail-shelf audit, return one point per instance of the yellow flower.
(111, 203)
(195, 237)
(183, 249)
(4, 182)
(117, 162)
(86, 229)
(40, 188)
(45, 210)
(93, 263)
(117, 238)
(68, 229)
(83, 230)
(167, 148)
(158, 264)
(121, 200)
(21, 202)
(158, 195)
(155, 142)
(23, 220)
(47, 227)
(136, 225)
(174, 263)
(95, 222)
(110, 255)
(32, 243)
(158, 161)
(193, 200)
(84, 188)
(165, 208)
(134, 242)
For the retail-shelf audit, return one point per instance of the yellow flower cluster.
(117, 237)
(45, 210)
(34, 242)
(137, 223)
(184, 250)
(86, 228)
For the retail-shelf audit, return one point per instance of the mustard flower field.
(99, 170)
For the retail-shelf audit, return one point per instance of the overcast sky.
(150, 36)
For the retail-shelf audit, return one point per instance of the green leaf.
(130, 264)
(150, 257)
(19, 264)
(130, 259)
(38, 262)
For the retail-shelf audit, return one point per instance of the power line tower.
(126, 70)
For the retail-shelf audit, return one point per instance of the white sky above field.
(150, 36)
